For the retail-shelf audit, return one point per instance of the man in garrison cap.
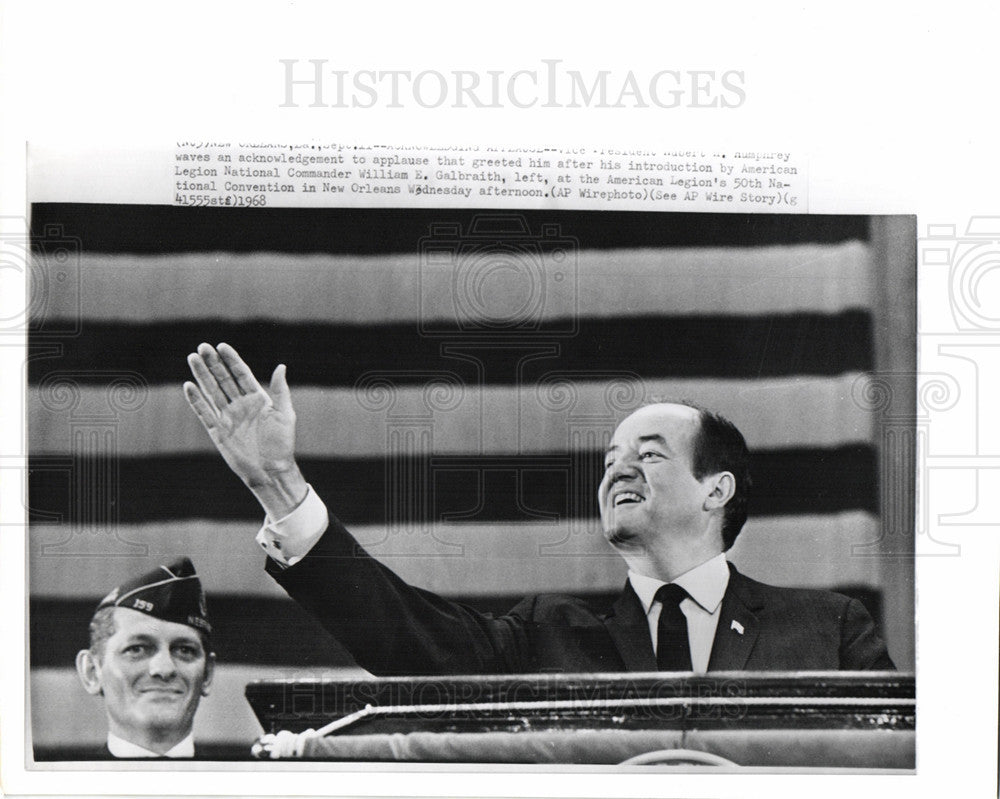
(151, 660)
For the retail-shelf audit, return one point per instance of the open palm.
(253, 429)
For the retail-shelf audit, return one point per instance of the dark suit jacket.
(392, 628)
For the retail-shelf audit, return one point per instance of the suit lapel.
(629, 630)
(738, 625)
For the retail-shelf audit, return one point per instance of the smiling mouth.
(627, 498)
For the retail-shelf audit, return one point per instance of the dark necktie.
(673, 652)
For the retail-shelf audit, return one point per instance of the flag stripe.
(408, 489)
(344, 355)
(793, 411)
(472, 560)
(410, 288)
(367, 231)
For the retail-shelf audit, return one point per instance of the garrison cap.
(172, 593)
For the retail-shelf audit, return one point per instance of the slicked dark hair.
(719, 446)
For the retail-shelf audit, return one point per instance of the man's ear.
(89, 671)
(209, 673)
(723, 488)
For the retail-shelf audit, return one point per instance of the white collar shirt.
(119, 747)
(706, 585)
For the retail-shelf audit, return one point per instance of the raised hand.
(253, 429)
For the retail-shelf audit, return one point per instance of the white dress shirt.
(706, 585)
(288, 540)
(119, 747)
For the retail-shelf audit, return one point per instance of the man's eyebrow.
(139, 638)
(658, 439)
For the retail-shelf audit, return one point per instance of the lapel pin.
(736, 626)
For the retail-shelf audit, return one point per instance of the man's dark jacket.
(392, 628)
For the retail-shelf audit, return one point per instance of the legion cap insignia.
(172, 593)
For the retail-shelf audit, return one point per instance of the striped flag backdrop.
(456, 377)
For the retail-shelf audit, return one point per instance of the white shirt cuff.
(288, 540)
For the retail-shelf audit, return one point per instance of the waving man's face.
(648, 489)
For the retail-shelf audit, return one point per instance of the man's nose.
(162, 664)
(622, 468)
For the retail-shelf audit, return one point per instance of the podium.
(853, 720)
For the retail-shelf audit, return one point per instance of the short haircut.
(719, 446)
(102, 627)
